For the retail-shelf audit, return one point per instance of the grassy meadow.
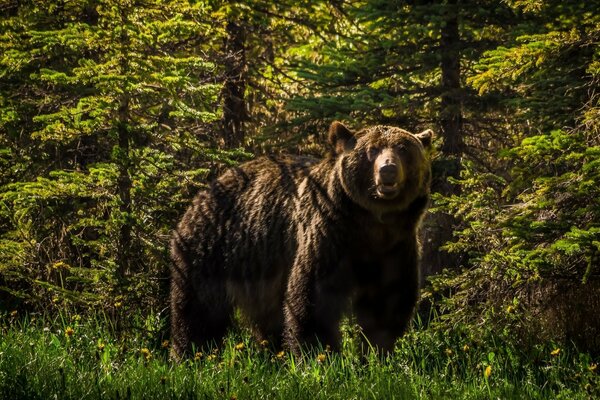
(73, 357)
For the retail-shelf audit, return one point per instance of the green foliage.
(107, 114)
(545, 72)
(542, 224)
(383, 65)
(534, 222)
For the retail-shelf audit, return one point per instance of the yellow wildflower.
(280, 354)
(555, 352)
(488, 372)
(101, 346)
(466, 347)
(197, 356)
(240, 346)
(59, 265)
(321, 358)
(211, 357)
(165, 344)
(593, 367)
(69, 332)
(13, 313)
(118, 304)
(264, 343)
(146, 353)
(449, 352)
(510, 309)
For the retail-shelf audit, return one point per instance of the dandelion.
(466, 348)
(69, 332)
(280, 354)
(488, 372)
(165, 344)
(118, 304)
(197, 356)
(449, 352)
(555, 352)
(593, 367)
(510, 309)
(211, 357)
(240, 346)
(264, 343)
(59, 265)
(146, 353)
(321, 358)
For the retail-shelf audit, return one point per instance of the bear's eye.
(372, 153)
(400, 148)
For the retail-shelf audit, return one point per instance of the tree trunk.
(123, 160)
(124, 190)
(234, 105)
(439, 227)
(451, 104)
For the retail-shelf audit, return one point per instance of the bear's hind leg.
(199, 318)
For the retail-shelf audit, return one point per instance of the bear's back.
(243, 220)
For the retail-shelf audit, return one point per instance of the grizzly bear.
(295, 243)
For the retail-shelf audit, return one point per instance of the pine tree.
(107, 107)
(532, 228)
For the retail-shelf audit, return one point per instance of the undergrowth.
(70, 357)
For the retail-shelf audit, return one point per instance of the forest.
(114, 113)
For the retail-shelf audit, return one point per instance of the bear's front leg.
(314, 304)
(385, 301)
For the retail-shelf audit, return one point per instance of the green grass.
(83, 358)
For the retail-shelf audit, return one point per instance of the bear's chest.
(379, 240)
(375, 237)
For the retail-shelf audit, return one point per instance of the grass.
(68, 357)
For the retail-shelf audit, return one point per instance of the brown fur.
(295, 243)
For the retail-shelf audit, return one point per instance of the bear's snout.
(388, 173)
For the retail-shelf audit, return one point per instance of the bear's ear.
(425, 137)
(341, 138)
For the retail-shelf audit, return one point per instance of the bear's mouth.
(388, 191)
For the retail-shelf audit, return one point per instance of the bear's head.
(382, 168)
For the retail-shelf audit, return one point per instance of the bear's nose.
(388, 173)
